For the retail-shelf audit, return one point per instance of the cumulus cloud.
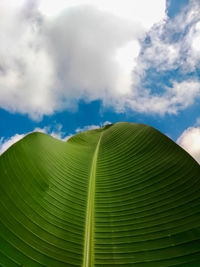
(26, 70)
(174, 43)
(190, 141)
(52, 54)
(178, 97)
(171, 45)
(86, 51)
(89, 53)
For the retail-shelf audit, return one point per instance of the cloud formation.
(53, 56)
(170, 46)
(190, 141)
(174, 42)
(26, 70)
(175, 98)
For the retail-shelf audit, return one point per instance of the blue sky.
(67, 66)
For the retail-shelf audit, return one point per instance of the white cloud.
(53, 55)
(171, 44)
(26, 70)
(93, 56)
(178, 97)
(190, 141)
(86, 53)
(128, 10)
(174, 43)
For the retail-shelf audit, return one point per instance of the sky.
(71, 65)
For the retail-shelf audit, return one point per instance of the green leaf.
(122, 195)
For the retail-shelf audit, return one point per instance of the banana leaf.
(121, 195)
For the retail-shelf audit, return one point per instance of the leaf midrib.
(89, 224)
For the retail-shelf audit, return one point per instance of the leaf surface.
(122, 195)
